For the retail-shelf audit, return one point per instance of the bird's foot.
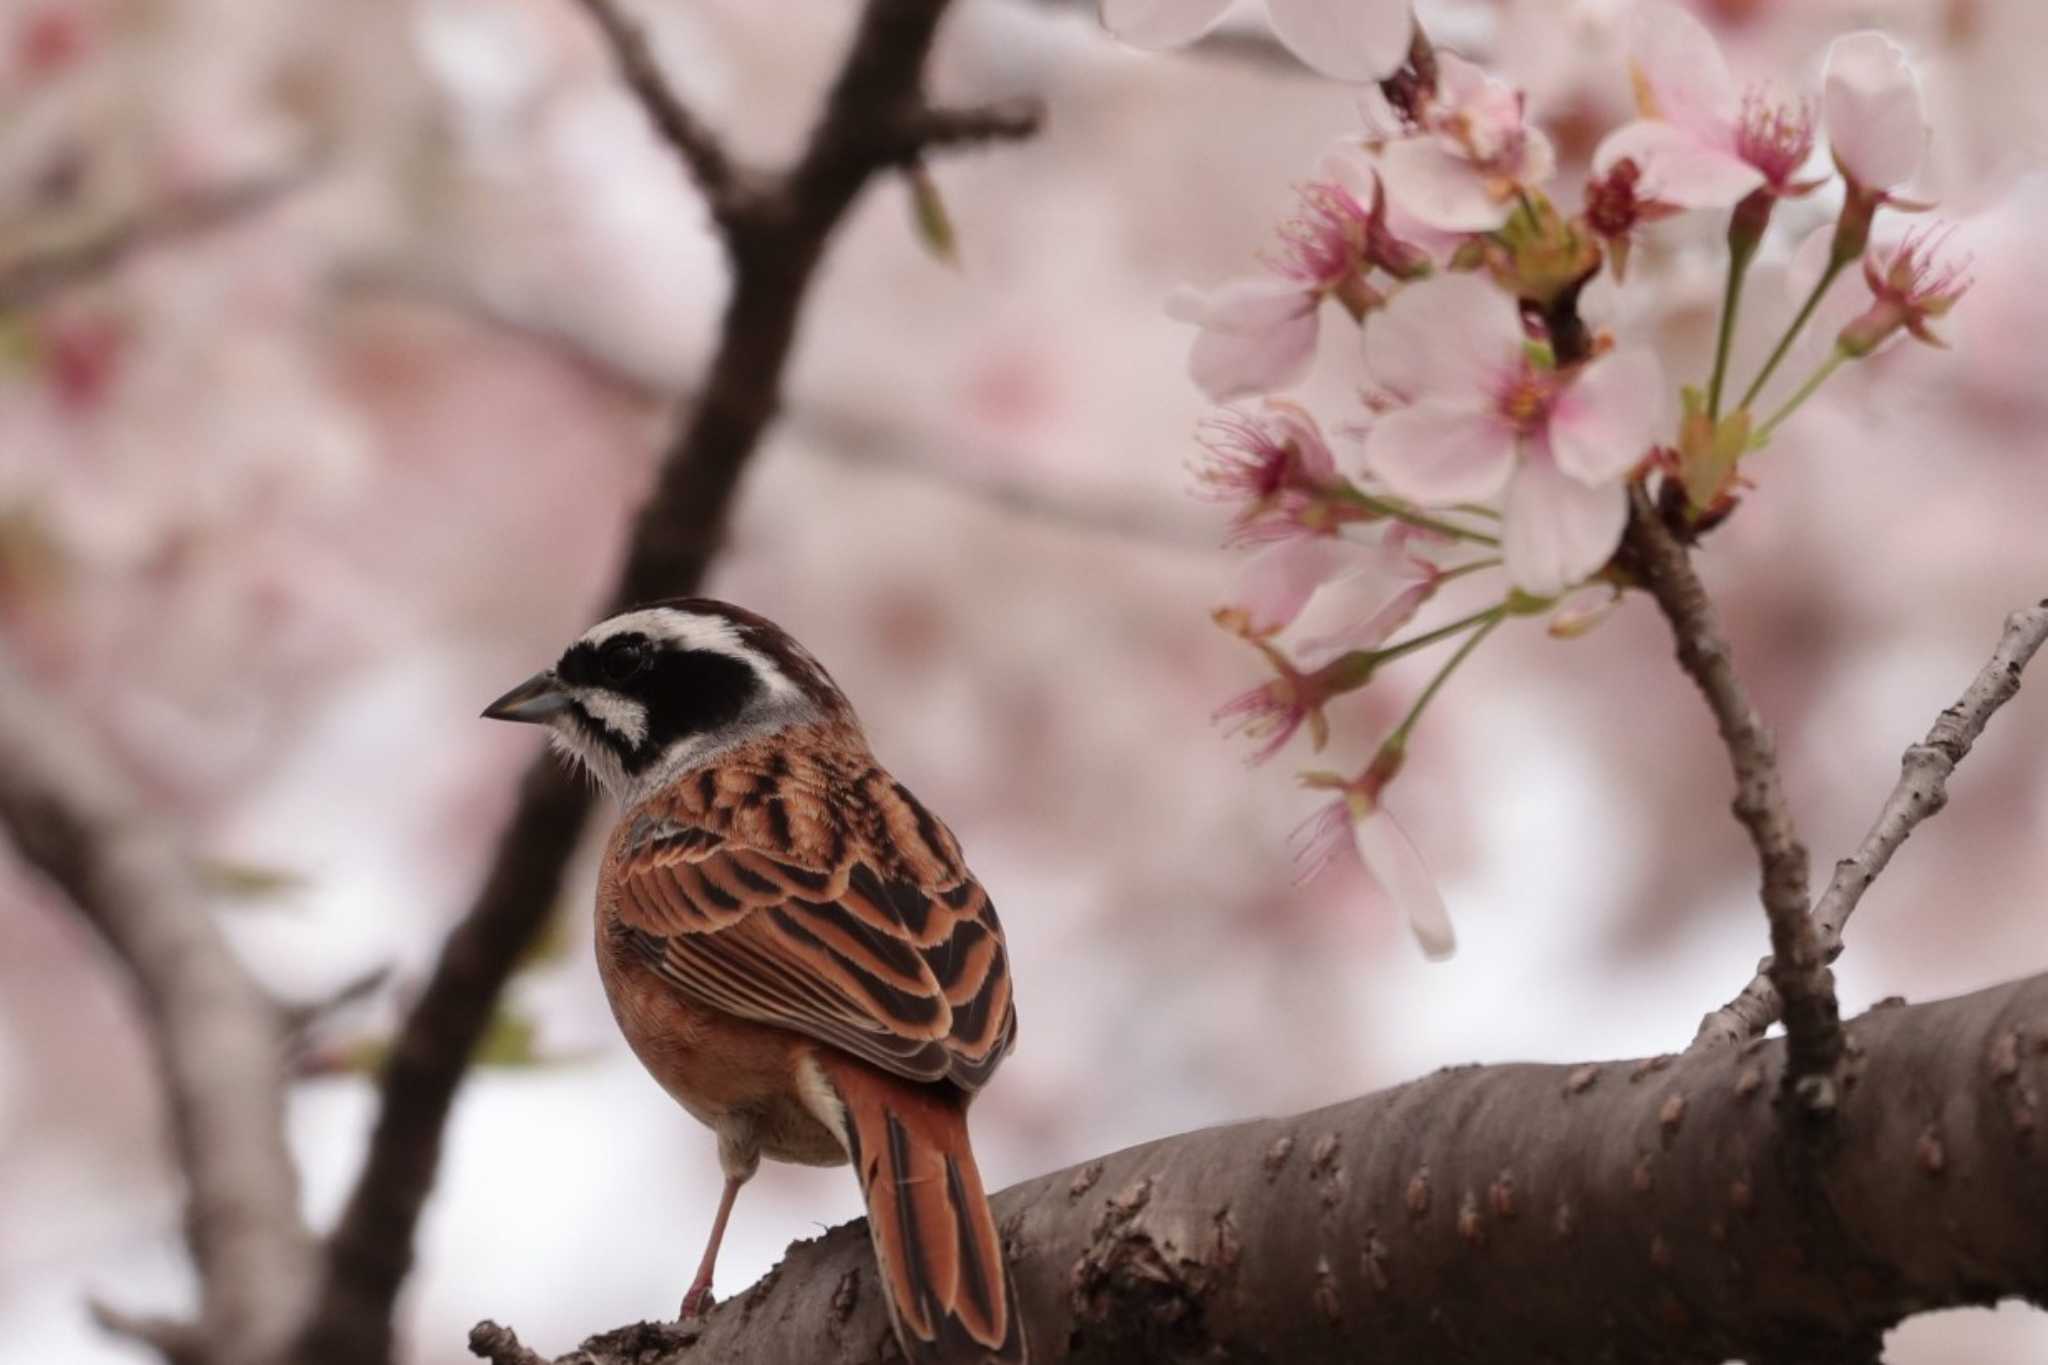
(696, 1303)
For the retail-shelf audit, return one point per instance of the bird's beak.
(533, 701)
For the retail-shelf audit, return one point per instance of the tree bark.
(1668, 1211)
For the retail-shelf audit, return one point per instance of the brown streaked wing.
(910, 977)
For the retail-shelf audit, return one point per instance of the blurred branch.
(702, 150)
(216, 1036)
(1798, 971)
(840, 432)
(869, 120)
(1648, 1211)
(1922, 791)
(27, 279)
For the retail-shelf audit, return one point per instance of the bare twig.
(701, 149)
(30, 278)
(1798, 970)
(217, 1038)
(775, 243)
(1618, 1211)
(1921, 792)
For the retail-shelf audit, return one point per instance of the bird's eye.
(622, 660)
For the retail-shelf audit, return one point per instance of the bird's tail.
(941, 1260)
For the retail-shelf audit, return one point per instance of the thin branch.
(1921, 792)
(775, 245)
(1639, 1211)
(218, 1043)
(33, 276)
(701, 149)
(971, 125)
(1798, 969)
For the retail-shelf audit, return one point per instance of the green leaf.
(928, 211)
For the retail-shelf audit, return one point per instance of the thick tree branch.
(218, 1040)
(1655, 1211)
(1797, 969)
(775, 244)
(31, 277)
(1922, 791)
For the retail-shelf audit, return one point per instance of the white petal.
(1257, 335)
(1445, 191)
(1448, 334)
(1258, 304)
(1558, 530)
(1677, 167)
(1397, 866)
(1230, 365)
(1871, 98)
(1161, 23)
(1277, 582)
(1439, 452)
(1610, 416)
(1352, 40)
(1680, 67)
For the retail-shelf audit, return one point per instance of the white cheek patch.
(622, 716)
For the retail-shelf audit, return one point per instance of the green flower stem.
(1488, 620)
(1806, 390)
(1745, 231)
(1827, 278)
(1402, 512)
(1403, 648)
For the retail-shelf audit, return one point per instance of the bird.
(792, 944)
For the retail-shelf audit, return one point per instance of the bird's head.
(659, 690)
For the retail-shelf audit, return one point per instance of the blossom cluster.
(1500, 432)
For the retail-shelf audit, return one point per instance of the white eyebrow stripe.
(710, 634)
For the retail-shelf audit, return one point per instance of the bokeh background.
(284, 500)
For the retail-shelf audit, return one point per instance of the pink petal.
(1450, 334)
(1347, 166)
(1352, 40)
(1257, 336)
(1443, 190)
(1558, 530)
(1161, 23)
(1441, 452)
(1679, 66)
(1294, 425)
(1247, 306)
(1539, 158)
(1677, 167)
(1871, 99)
(1395, 863)
(1610, 416)
(1364, 616)
(1277, 582)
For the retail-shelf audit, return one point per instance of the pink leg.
(700, 1288)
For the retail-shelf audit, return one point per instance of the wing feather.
(893, 953)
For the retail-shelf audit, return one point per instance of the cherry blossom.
(1871, 99)
(1253, 456)
(1474, 414)
(1259, 334)
(1700, 143)
(1910, 284)
(1474, 152)
(1351, 40)
(1356, 824)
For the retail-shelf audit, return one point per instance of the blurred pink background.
(282, 504)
